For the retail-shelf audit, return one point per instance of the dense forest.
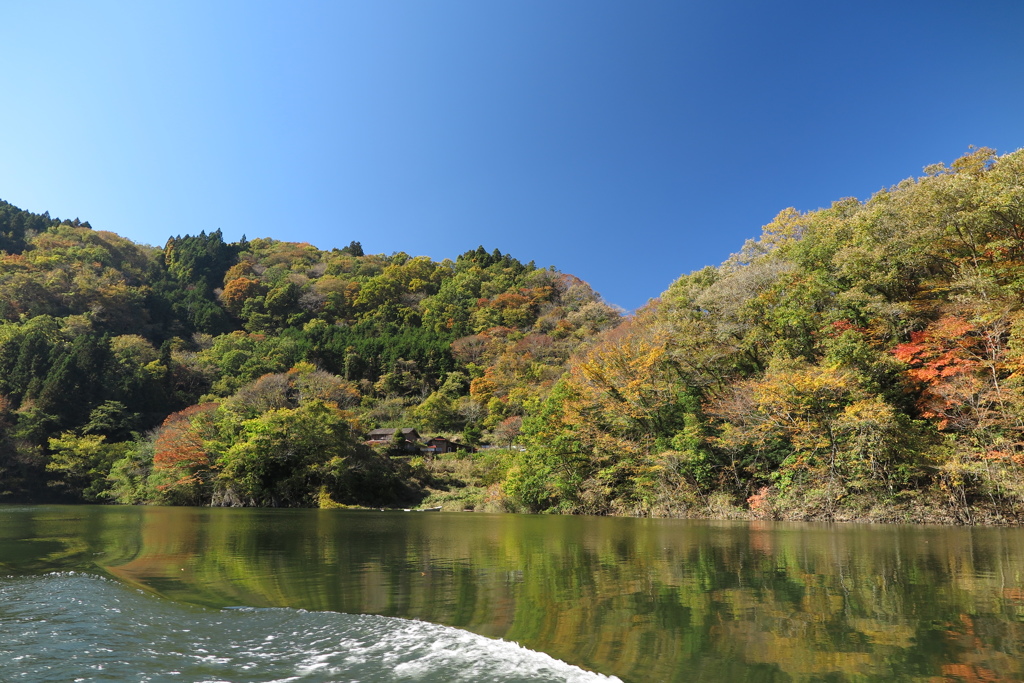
(862, 361)
(249, 373)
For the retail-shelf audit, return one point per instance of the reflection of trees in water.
(643, 599)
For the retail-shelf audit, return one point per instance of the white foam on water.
(414, 650)
(77, 627)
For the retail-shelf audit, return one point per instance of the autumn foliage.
(867, 356)
(861, 361)
(180, 457)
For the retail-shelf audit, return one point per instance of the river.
(90, 593)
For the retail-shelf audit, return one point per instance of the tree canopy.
(139, 374)
(861, 361)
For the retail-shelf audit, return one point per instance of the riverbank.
(473, 484)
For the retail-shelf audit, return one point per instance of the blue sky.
(624, 142)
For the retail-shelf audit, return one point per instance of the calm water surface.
(115, 593)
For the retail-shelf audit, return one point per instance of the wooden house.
(439, 445)
(410, 438)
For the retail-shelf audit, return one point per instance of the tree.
(77, 381)
(284, 456)
(556, 462)
(182, 468)
(508, 431)
(201, 259)
(354, 248)
(238, 291)
(82, 463)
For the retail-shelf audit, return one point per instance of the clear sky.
(626, 142)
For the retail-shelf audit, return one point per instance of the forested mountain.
(863, 361)
(248, 373)
(860, 361)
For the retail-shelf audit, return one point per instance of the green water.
(644, 600)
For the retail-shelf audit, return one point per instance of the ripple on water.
(76, 627)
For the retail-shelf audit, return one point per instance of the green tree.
(284, 456)
(82, 463)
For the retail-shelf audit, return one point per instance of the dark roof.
(406, 431)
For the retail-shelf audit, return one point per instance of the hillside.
(137, 374)
(861, 362)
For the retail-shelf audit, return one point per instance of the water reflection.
(654, 600)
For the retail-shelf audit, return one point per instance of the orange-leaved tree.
(182, 469)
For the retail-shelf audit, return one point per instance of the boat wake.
(77, 627)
